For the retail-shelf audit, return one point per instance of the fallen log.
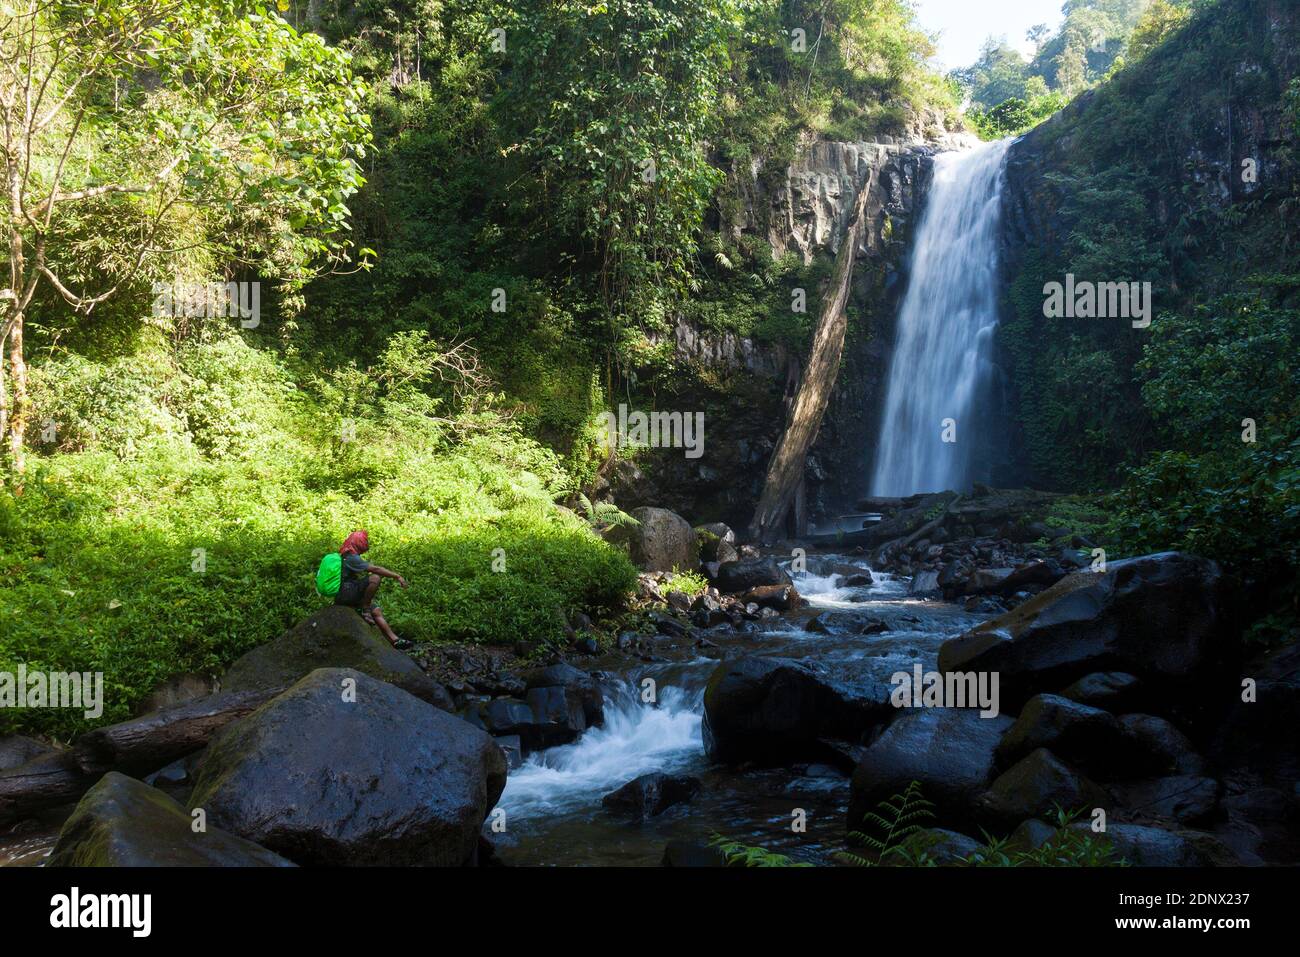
(44, 782)
(157, 739)
(785, 468)
(134, 747)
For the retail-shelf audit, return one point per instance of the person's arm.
(385, 573)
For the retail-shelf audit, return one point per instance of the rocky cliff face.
(801, 209)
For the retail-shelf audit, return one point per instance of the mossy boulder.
(334, 637)
(122, 822)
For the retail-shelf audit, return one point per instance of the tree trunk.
(18, 396)
(45, 782)
(785, 469)
(157, 739)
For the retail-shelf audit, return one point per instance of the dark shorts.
(351, 593)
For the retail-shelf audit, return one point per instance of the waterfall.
(942, 364)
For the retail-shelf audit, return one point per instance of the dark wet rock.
(17, 749)
(663, 541)
(817, 624)
(855, 580)
(987, 580)
(559, 717)
(385, 779)
(678, 601)
(1036, 786)
(651, 794)
(1260, 824)
(334, 637)
(692, 854)
(776, 597)
(773, 710)
(872, 626)
(577, 684)
(1112, 690)
(1030, 835)
(668, 625)
(708, 617)
(743, 575)
(1164, 749)
(512, 748)
(953, 577)
(547, 718)
(1087, 737)
(549, 715)
(949, 751)
(121, 822)
(717, 542)
(498, 684)
(1145, 846)
(174, 775)
(587, 646)
(1034, 576)
(1262, 733)
(924, 583)
(941, 846)
(1157, 617)
(1186, 798)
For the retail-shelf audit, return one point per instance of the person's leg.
(372, 589)
(382, 624)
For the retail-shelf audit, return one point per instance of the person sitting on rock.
(359, 582)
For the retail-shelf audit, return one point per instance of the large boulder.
(773, 710)
(1037, 786)
(651, 794)
(663, 540)
(547, 718)
(1186, 798)
(1157, 617)
(1143, 846)
(577, 685)
(121, 822)
(749, 573)
(1112, 690)
(1163, 749)
(1088, 737)
(948, 751)
(343, 769)
(334, 637)
(941, 846)
(717, 542)
(1260, 733)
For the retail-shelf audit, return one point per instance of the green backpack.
(329, 574)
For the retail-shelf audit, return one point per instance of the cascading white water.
(942, 362)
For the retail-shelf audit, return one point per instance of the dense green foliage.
(201, 540)
(1160, 412)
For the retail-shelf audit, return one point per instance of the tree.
(1160, 20)
(610, 108)
(999, 74)
(137, 121)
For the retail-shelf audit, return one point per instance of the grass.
(177, 553)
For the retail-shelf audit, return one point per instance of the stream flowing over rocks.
(1116, 692)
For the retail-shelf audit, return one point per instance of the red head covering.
(356, 543)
